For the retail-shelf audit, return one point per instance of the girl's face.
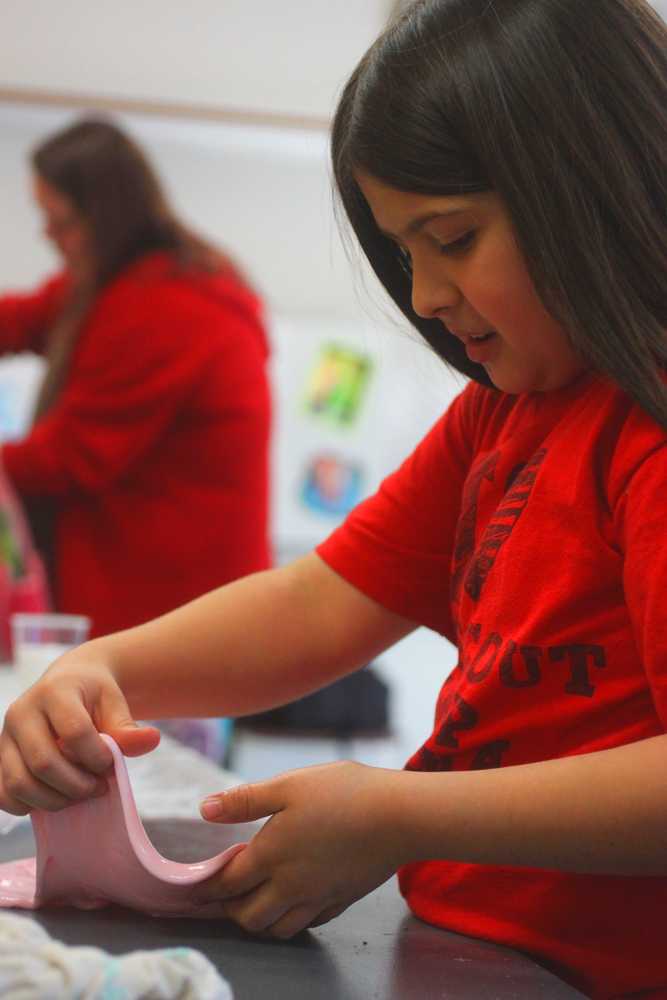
(468, 272)
(63, 225)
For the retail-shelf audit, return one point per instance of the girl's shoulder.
(637, 448)
(597, 420)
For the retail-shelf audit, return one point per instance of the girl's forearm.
(603, 812)
(258, 642)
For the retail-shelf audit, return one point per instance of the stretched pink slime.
(97, 852)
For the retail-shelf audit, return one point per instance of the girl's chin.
(515, 382)
(511, 383)
(518, 384)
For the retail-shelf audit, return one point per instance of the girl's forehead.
(392, 206)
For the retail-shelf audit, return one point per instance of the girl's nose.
(432, 291)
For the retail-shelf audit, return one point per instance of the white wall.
(263, 55)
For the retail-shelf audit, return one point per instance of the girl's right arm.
(261, 641)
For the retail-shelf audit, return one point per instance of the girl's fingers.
(135, 740)
(22, 789)
(262, 911)
(113, 716)
(77, 737)
(51, 752)
(244, 803)
(256, 911)
(326, 915)
(37, 754)
(239, 877)
(8, 802)
(294, 921)
(11, 805)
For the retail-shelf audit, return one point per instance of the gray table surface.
(374, 950)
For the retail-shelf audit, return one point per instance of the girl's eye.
(460, 245)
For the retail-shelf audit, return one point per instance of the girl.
(503, 166)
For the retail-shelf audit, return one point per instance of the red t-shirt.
(155, 453)
(530, 531)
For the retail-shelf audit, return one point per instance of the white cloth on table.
(34, 966)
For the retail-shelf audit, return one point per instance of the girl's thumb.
(243, 803)
(134, 740)
(116, 720)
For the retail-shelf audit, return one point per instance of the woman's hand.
(330, 840)
(51, 753)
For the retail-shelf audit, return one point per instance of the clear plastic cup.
(39, 639)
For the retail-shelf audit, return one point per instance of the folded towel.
(34, 966)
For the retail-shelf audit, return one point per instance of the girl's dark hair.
(114, 189)
(560, 107)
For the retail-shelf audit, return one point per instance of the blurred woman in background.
(145, 471)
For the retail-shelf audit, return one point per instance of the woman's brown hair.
(116, 192)
(560, 107)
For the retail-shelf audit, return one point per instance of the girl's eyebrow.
(420, 221)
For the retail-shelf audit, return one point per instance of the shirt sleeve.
(397, 546)
(640, 516)
(140, 362)
(27, 317)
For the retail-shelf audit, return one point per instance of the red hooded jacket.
(155, 453)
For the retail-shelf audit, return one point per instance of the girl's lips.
(466, 335)
(481, 351)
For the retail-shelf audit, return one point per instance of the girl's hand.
(51, 753)
(329, 841)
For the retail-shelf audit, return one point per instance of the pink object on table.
(97, 852)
